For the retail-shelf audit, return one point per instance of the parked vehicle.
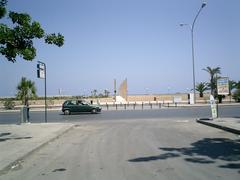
(71, 106)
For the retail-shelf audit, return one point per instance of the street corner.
(231, 125)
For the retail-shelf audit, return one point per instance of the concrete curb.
(18, 162)
(228, 129)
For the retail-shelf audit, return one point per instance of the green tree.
(3, 10)
(213, 72)
(237, 85)
(100, 95)
(236, 94)
(94, 93)
(232, 86)
(17, 39)
(9, 104)
(201, 87)
(106, 93)
(26, 90)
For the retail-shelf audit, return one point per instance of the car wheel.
(94, 111)
(67, 112)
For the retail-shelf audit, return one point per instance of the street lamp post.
(193, 60)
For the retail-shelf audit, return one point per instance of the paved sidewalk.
(19, 141)
(227, 124)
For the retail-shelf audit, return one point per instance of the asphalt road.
(143, 149)
(186, 112)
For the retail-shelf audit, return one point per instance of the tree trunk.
(220, 97)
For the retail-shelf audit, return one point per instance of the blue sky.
(140, 40)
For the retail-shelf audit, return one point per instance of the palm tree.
(236, 94)
(232, 85)
(106, 93)
(94, 93)
(238, 85)
(213, 72)
(26, 90)
(201, 87)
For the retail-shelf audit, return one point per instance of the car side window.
(79, 102)
(72, 103)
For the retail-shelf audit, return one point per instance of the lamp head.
(204, 4)
(183, 24)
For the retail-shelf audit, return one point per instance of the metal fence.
(139, 105)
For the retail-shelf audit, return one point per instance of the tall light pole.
(193, 63)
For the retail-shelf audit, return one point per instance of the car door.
(80, 107)
(73, 106)
(85, 107)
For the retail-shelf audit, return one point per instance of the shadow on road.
(10, 138)
(204, 151)
(4, 134)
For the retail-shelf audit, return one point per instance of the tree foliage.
(17, 40)
(232, 86)
(26, 90)
(213, 72)
(94, 93)
(9, 104)
(236, 94)
(201, 87)
(106, 93)
(3, 10)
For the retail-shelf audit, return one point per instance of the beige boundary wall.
(131, 98)
(163, 97)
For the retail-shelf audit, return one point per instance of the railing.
(140, 105)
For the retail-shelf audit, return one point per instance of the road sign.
(41, 70)
(223, 86)
(213, 107)
(41, 73)
(40, 66)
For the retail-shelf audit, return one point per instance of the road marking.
(182, 121)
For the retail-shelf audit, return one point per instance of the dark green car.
(71, 106)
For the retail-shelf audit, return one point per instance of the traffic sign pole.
(42, 73)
